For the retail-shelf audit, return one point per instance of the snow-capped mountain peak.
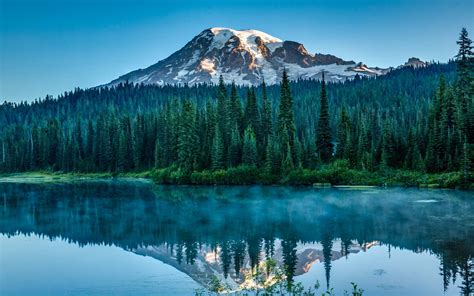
(246, 57)
(246, 36)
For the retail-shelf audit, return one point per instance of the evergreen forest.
(412, 126)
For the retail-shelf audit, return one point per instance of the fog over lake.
(129, 237)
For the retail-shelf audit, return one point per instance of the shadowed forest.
(407, 125)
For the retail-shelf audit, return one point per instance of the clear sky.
(50, 46)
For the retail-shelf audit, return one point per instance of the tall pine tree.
(324, 143)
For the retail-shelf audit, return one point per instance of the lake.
(125, 237)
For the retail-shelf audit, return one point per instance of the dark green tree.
(235, 108)
(187, 138)
(267, 122)
(217, 158)
(324, 143)
(235, 148)
(343, 133)
(286, 115)
(252, 114)
(249, 150)
(465, 60)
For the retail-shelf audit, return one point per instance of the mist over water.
(121, 236)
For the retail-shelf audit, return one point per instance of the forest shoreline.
(168, 176)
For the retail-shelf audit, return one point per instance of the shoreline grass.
(62, 177)
(325, 176)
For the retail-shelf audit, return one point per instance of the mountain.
(209, 262)
(246, 57)
(415, 63)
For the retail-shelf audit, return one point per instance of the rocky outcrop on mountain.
(246, 57)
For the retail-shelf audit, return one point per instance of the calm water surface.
(134, 238)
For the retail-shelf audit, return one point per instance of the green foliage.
(252, 113)
(335, 173)
(286, 116)
(419, 120)
(170, 175)
(188, 140)
(269, 279)
(249, 154)
(235, 107)
(267, 122)
(242, 174)
(235, 148)
(324, 139)
(218, 150)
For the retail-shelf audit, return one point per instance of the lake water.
(134, 238)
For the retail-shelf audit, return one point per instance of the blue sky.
(51, 46)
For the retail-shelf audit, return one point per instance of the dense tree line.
(415, 119)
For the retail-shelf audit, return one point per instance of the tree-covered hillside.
(412, 119)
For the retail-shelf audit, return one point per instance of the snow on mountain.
(246, 57)
(208, 260)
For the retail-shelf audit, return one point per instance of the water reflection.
(203, 231)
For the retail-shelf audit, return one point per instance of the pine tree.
(217, 157)
(52, 143)
(269, 156)
(223, 114)
(225, 256)
(324, 143)
(290, 259)
(431, 162)
(158, 155)
(418, 163)
(235, 108)
(469, 123)
(465, 87)
(138, 135)
(36, 148)
(388, 146)
(78, 146)
(187, 138)
(235, 148)
(272, 155)
(465, 162)
(287, 164)
(343, 131)
(465, 60)
(266, 115)
(350, 151)
(209, 134)
(413, 159)
(286, 116)
(251, 114)
(124, 162)
(90, 145)
(113, 143)
(249, 150)
(297, 155)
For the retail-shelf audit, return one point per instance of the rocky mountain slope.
(246, 57)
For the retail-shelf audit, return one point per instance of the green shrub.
(447, 180)
(242, 174)
(335, 173)
(404, 178)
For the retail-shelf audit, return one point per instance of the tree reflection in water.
(236, 228)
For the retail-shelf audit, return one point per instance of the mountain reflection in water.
(224, 231)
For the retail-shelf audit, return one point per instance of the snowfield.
(246, 57)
